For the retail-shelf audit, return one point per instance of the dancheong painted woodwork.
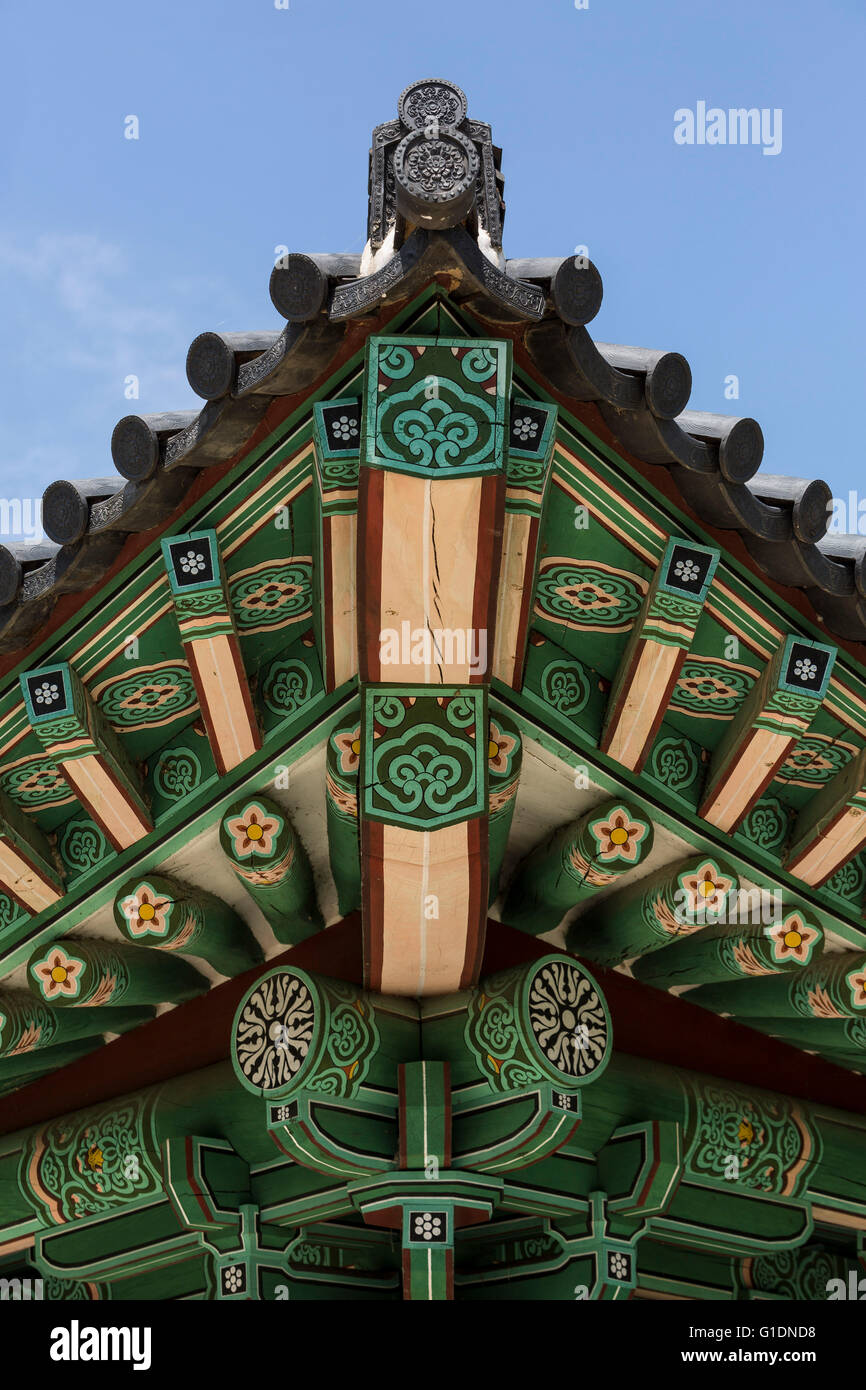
(433, 809)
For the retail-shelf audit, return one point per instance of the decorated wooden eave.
(449, 700)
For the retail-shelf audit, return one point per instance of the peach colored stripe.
(89, 775)
(424, 955)
(22, 881)
(830, 851)
(760, 754)
(429, 537)
(225, 700)
(512, 583)
(344, 619)
(641, 703)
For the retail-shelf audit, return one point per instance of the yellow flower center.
(254, 832)
(619, 836)
(708, 888)
(793, 938)
(492, 749)
(356, 746)
(146, 912)
(58, 974)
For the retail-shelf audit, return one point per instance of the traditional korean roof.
(330, 302)
(198, 629)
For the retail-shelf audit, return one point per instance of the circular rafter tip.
(435, 177)
(668, 385)
(213, 359)
(577, 291)
(298, 287)
(739, 439)
(66, 507)
(741, 450)
(11, 576)
(134, 448)
(810, 501)
(137, 439)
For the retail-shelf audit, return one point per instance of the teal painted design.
(546, 1021)
(36, 782)
(10, 911)
(767, 824)
(297, 1032)
(761, 1142)
(815, 760)
(675, 764)
(588, 595)
(93, 1162)
(504, 758)
(802, 1274)
(710, 689)
(287, 686)
(82, 845)
(566, 686)
(437, 405)
(425, 762)
(341, 791)
(178, 773)
(272, 595)
(269, 859)
(150, 695)
(849, 881)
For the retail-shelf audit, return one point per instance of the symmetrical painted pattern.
(431, 507)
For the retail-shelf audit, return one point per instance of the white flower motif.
(686, 570)
(233, 1278)
(426, 1226)
(804, 669)
(192, 562)
(525, 428)
(45, 694)
(618, 1264)
(345, 428)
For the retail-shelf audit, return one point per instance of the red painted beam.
(647, 1023)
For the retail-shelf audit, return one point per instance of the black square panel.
(428, 1227)
(191, 562)
(342, 424)
(281, 1114)
(47, 692)
(233, 1280)
(619, 1265)
(526, 431)
(562, 1101)
(807, 667)
(688, 569)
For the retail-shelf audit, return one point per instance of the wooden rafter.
(658, 646)
(776, 713)
(75, 735)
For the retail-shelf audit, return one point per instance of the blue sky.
(254, 125)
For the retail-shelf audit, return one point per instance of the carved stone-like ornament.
(432, 101)
(435, 177)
